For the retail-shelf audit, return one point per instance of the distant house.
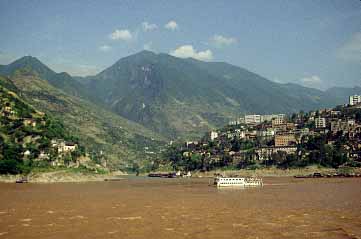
(285, 140)
(27, 153)
(29, 122)
(64, 147)
(191, 144)
(69, 147)
(240, 133)
(43, 156)
(7, 109)
(213, 135)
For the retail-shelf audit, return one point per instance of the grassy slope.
(185, 97)
(121, 140)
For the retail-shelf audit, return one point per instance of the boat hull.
(238, 182)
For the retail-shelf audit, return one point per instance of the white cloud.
(351, 50)
(124, 35)
(147, 27)
(219, 40)
(277, 80)
(312, 81)
(186, 51)
(148, 46)
(171, 25)
(105, 48)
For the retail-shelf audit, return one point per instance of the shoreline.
(64, 176)
(275, 172)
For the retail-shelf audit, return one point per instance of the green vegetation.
(126, 114)
(26, 134)
(109, 138)
(184, 98)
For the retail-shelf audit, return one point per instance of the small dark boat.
(22, 180)
(314, 175)
(301, 176)
(162, 175)
(112, 179)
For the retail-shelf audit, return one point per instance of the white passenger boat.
(238, 182)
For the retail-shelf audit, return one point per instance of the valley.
(126, 115)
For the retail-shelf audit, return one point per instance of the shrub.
(9, 166)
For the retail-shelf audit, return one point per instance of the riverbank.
(59, 176)
(276, 172)
(62, 176)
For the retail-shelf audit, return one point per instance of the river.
(182, 208)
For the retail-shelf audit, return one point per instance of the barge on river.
(238, 182)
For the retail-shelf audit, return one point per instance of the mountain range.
(120, 141)
(170, 97)
(182, 97)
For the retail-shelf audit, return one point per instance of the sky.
(315, 43)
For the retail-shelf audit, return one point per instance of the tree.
(9, 166)
(236, 146)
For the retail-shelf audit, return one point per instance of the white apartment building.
(252, 119)
(320, 122)
(257, 119)
(355, 99)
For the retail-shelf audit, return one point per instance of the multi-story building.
(342, 125)
(320, 123)
(266, 133)
(257, 119)
(236, 122)
(285, 140)
(278, 120)
(213, 135)
(252, 119)
(355, 99)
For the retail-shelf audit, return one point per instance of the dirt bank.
(61, 176)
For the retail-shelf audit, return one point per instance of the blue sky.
(316, 43)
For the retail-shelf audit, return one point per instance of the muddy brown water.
(182, 208)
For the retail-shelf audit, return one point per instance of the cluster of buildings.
(273, 134)
(30, 125)
(8, 110)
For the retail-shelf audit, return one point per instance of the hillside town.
(329, 137)
(30, 138)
